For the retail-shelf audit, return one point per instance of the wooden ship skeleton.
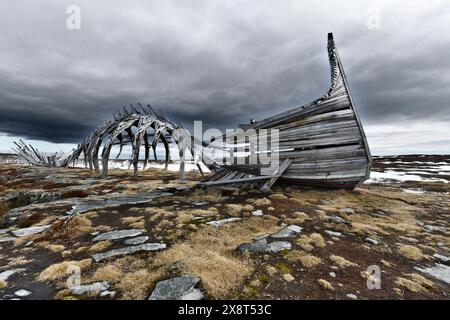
(320, 144)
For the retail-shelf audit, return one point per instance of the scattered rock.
(118, 234)
(179, 288)
(29, 231)
(295, 228)
(135, 241)
(372, 241)
(347, 210)
(288, 277)
(431, 228)
(352, 296)
(339, 220)
(333, 274)
(128, 250)
(22, 293)
(441, 257)
(287, 232)
(219, 223)
(257, 247)
(201, 203)
(6, 274)
(333, 233)
(439, 271)
(106, 293)
(278, 246)
(96, 287)
(257, 213)
(7, 239)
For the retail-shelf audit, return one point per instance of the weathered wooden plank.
(278, 172)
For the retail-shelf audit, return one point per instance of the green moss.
(264, 278)
(283, 268)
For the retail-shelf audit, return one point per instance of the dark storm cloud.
(220, 62)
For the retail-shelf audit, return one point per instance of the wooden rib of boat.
(324, 141)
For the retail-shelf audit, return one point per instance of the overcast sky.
(223, 62)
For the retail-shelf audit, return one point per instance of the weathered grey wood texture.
(324, 140)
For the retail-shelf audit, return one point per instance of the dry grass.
(136, 285)
(17, 261)
(209, 254)
(234, 210)
(184, 218)
(210, 212)
(342, 262)
(100, 246)
(306, 242)
(307, 260)
(67, 229)
(325, 284)
(411, 252)
(55, 247)
(387, 263)
(414, 283)
(58, 271)
(317, 240)
(299, 218)
(3, 284)
(111, 273)
(262, 202)
(131, 220)
(278, 196)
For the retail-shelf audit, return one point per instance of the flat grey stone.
(431, 228)
(439, 271)
(108, 293)
(201, 203)
(179, 288)
(22, 293)
(333, 233)
(372, 241)
(295, 228)
(278, 246)
(90, 288)
(352, 296)
(29, 231)
(6, 274)
(441, 257)
(284, 233)
(219, 223)
(257, 247)
(338, 219)
(257, 213)
(128, 250)
(135, 241)
(347, 210)
(29, 243)
(118, 234)
(7, 239)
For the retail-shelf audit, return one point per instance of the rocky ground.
(68, 234)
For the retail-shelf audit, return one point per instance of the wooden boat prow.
(326, 143)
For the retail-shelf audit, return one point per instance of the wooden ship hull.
(323, 141)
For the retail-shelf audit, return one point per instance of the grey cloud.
(222, 62)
